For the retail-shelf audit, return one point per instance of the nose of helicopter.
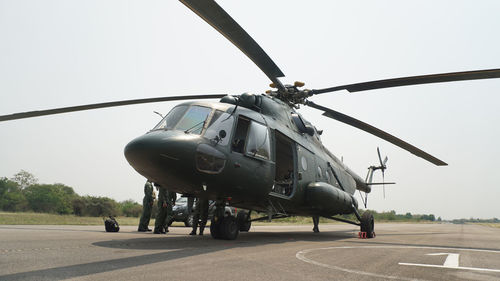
(156, 154)
(141, 150)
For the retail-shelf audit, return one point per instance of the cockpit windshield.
(186, 118)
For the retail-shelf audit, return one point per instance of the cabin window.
(258, 144)
(240, 135)
(252, 139)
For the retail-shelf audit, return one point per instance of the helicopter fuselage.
(255, 152)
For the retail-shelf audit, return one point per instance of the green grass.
(53, 219)
(496, 225)
(22, 218)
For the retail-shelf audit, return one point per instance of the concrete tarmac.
(275, 252)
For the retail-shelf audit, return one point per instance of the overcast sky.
(64, 53)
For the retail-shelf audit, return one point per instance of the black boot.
(202, 227)
(193, 232)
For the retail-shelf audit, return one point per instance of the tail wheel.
(368, 224)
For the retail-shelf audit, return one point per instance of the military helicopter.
(257, 152)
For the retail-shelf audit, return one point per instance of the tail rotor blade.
(383, 181)
(380, 158)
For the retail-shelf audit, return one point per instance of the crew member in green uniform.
(200, 215)
(171, 197)
(147, 206)
(162, 210)
(316, 222)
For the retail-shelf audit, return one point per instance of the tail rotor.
(382, 167)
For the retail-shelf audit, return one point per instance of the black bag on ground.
(111, 225)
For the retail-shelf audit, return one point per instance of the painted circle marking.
(301, 256)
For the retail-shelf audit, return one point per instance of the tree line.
(23, 193)
(393, 216)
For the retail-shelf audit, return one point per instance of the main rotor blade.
(219, 19)
(37, 113)
(377, 132)
(414, 80)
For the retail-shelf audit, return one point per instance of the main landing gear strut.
(226, 226)
(366, 224)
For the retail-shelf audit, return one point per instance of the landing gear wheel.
(188, 222)
(215, 229)
(229, 228)
(244, 223)
(368, 224)
(224, 228)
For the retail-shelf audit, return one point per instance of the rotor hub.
(291, 94)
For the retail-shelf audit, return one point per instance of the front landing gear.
(223, 227)
(367, 224)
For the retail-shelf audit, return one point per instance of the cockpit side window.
(221, 121)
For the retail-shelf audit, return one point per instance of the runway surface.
(399, 252)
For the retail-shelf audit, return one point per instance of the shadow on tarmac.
(172, 247)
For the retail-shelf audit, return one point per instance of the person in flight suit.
(171, 197)
(316, 222)
(200, 215)
(147, 207)
(162, 210)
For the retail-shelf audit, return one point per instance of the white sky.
(63, 53)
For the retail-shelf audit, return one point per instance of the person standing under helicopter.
(161, 215)
(200, 215)
(316, 223)
(171, 198)
(147, 207)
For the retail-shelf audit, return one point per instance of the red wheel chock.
(363, 235)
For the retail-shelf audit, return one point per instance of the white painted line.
(301, 256)
(448, 267)
(451, 259)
